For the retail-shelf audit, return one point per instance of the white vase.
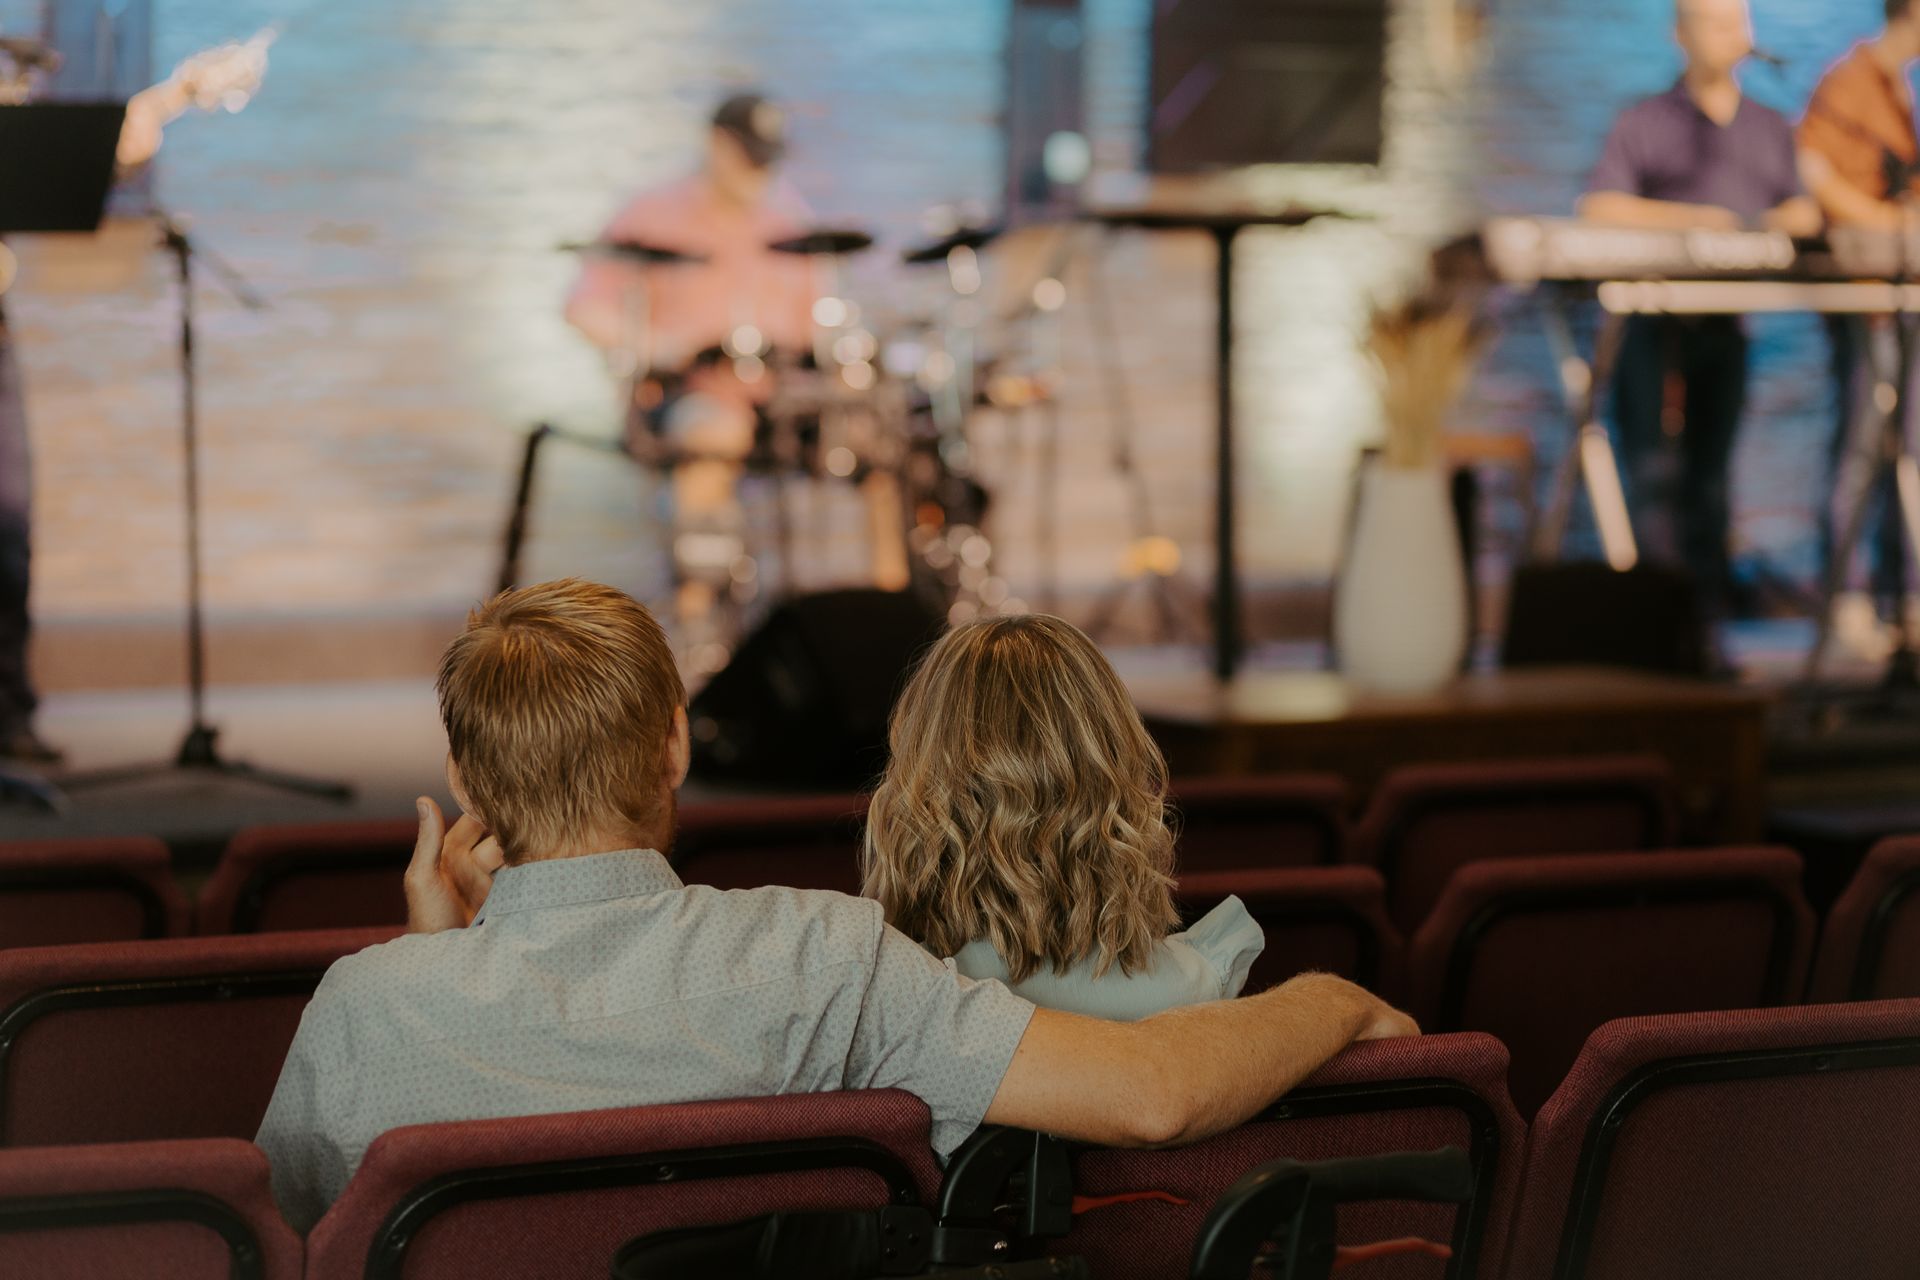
(1400, 608)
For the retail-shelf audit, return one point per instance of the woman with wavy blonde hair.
(1021, 829)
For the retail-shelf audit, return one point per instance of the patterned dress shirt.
(603, 981)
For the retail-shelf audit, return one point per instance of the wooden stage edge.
(1713, 735)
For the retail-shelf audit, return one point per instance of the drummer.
(736, 295)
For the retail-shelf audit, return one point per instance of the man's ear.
(679, 750)
(460, 796)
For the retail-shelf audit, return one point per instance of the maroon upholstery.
(548, 1229)
(1427, 821)
(172, 1240)
(1390, 1095)
(133, 1041)
(1540, 951)
(317, 875)
(1805, 1169)
(1871, 947)
(88, 890)
(1284, 820)
(1328, 918)
(811, 842)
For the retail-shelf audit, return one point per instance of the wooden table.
(1713, 735)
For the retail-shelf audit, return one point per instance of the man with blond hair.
(591, 977)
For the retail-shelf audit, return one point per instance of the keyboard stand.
(1589, 456)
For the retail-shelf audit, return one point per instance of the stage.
(384, 738)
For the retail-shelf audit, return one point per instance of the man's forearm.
(1181, 1075)
(1618, 208)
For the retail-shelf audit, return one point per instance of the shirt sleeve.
(1229, 940)
(1619, 169)
(309, 1168)
(945, 1038)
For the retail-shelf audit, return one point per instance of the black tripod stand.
(199, 750)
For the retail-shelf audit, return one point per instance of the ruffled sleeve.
(1229, 940)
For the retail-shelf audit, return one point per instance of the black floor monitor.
(56, 164)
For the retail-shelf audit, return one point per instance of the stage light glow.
(830, 312)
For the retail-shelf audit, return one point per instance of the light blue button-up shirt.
(603, 981)
(1210, 961)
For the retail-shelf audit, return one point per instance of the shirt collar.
(569, 882)
(1680, 95)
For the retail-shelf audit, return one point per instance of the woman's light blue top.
(1208, 962)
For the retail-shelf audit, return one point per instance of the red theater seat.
(135, 1041)
(1540, 951)
(1871, 947)
(811, 842)
(556, 1196)
(190, 1210)
(1427, 821)
(1287, 820)
(1328, 918)
(1387, 1096)
(1775, 1144)
(318, 875)
(109, 889)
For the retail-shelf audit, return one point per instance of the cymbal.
(634, 251)
(824, 242)
(963, 238)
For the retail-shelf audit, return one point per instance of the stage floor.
(384, 738)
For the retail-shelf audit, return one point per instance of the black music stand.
(1224, 225)
(59, 160)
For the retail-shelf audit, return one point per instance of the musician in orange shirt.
(1861, 156)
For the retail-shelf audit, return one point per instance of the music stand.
(63, 154)
(58, 158)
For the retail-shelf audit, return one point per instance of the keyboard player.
(1702, 154)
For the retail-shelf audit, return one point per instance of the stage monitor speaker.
(1043, 125)
(1242, 82)
(1590, 614)
(806, 698)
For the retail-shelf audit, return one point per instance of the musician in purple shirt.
(1700, 155)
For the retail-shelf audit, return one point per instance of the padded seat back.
(1870, 949)
(1540, 951)
(109, 889)
(138, 1041)
(192, 1210)
(1427, 821)
(1385, 1096)
(316, 875)
(1259, 821)
(1770, 1144)
(556, 1196)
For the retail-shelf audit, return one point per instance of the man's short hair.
(558, 701)
(1898, 9)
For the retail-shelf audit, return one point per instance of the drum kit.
(888, 406)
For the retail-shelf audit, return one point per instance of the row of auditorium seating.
(178, 1038)
(1769, 1145)
(1422, 824)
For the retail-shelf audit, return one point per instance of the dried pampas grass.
(1424, 351)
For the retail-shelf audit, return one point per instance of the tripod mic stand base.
(199, 752)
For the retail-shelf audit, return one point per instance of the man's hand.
(1388, 1024)
(451, 871)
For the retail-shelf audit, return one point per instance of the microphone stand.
(199, 750)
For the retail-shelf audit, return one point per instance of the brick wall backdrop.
(397, 191)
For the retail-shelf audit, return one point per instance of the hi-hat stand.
(199, 750)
